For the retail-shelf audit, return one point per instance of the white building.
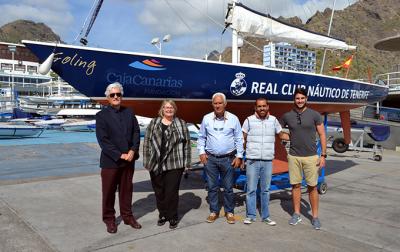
(286, 56)
(19, 69)
(36, 93)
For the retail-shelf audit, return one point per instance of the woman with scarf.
(166, 153)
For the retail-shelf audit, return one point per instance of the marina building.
(19, 69)
(286, 56)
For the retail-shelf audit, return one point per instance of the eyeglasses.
(115, 94)
(218, 129)
(298, 118)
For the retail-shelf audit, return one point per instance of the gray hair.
(114, 85)
(219, 94)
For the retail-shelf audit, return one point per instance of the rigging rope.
(204, 14)
(219, 24)
(179, 16)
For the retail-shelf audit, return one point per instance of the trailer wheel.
(378, 157)
(339, 145)
(322, 188)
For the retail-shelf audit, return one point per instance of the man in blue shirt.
(220, 145)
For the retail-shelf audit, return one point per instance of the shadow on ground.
(187, 202)
(285, 198)
(335, 166)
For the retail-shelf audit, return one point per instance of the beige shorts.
(303, 165)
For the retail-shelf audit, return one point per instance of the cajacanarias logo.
(148, 64)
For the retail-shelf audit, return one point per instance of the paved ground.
(360, 211)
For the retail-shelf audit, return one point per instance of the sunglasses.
(218, 129)
(298, 119)
(115, 94)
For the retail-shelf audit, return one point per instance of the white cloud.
(175, 16)
(180, 17)
(55, 14)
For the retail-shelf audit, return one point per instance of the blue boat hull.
(147, 79)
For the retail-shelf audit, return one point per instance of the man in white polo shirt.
(259, 132)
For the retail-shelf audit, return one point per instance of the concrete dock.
(50, 200)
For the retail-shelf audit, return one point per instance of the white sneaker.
(270, 222)
(248, 221)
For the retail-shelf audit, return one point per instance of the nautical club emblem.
(238, 85)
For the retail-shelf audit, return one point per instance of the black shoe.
(173, 223)
(161, 221)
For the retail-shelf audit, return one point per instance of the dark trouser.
(166, 189)
(110, 179)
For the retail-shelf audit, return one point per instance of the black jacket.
(117, 132)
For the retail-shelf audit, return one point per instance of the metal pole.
(234, 41)
(329, 32)
(234, 47)
(12, 79)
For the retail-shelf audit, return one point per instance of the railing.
(391, 79)
(385, 113)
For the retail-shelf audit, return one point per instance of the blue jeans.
(220, 170)
(257, 170)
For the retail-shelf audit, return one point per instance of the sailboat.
(147, 78)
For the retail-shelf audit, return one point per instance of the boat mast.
(234, 40)
(96, 10)
(329, 32)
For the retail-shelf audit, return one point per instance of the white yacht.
(78, 119)
(11, 130)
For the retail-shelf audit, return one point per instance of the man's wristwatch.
(324, 155)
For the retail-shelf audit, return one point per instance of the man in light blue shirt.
(220, 145)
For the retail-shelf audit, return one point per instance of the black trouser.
(166, 189)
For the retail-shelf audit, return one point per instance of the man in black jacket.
(118, 134)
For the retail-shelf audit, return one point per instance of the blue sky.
(131, 24)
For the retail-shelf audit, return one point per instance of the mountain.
(18, 30)
(361, 24)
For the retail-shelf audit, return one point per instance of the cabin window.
(32, 69)
(42, 80)
(29, 80)
(5, 78)
(20, 68)
(6, 66)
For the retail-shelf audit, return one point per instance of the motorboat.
(85, 125)
(60, 96)
(78, 119)
(10, 130)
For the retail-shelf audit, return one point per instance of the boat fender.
(45, 67)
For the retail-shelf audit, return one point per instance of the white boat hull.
(14, 131)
